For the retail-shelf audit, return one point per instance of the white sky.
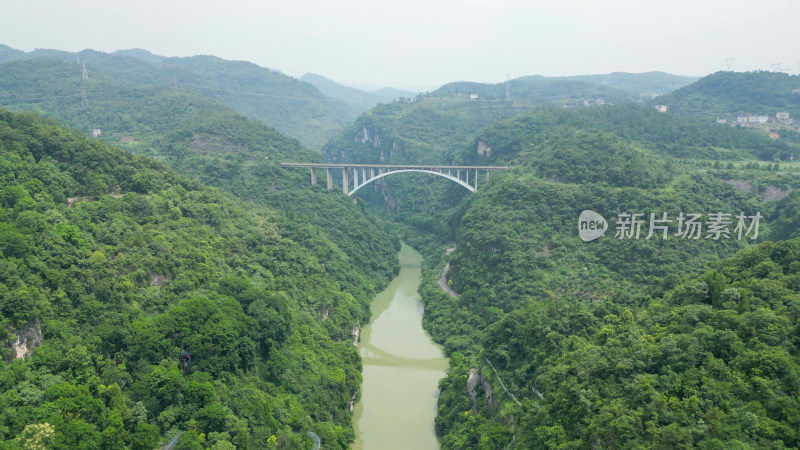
(426, 43)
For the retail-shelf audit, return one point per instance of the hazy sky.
(426, 42)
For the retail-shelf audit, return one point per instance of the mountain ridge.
(358, 99)
(295, 107)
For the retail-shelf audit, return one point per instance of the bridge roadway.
(372, 172)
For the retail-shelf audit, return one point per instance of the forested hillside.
(201, 138)
(115, 268)
(711, 362)
(661, 134)
(643, 84)
(728, 94)
(295, 107)
(572, 90)
(243, 156)
(537, 90)
(519, 261)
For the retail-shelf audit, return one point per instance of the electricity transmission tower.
(728, 64)
(84, 79)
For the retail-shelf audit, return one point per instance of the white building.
(473, 96)
(752, 119)
(741, 119)
(96, 133)
(721, 120)
(763, 119)
(661, 108)
(783, 115)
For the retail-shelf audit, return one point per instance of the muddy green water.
(402, 368)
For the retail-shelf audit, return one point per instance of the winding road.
(443, 279)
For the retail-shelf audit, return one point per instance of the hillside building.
(661, 108)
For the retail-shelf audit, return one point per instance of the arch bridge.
(364, 174)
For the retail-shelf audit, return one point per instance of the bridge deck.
(389, 166)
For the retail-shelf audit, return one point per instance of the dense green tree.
(120, 286)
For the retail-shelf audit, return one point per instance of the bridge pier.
(345, 182)
(330, 177)
(313, 176)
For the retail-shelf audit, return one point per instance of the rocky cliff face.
(475, 378)
(483, 149)
(28, 338)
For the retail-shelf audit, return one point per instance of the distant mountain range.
(315, 108)
(358, 99)
(645, 84)
(617, 87)
(292, 106)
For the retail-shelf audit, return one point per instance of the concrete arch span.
(433, 172)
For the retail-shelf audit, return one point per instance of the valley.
(168, 277)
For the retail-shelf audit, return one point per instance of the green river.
(402, 367)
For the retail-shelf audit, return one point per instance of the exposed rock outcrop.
(473, 379)
(28, 338)
(483, 149)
